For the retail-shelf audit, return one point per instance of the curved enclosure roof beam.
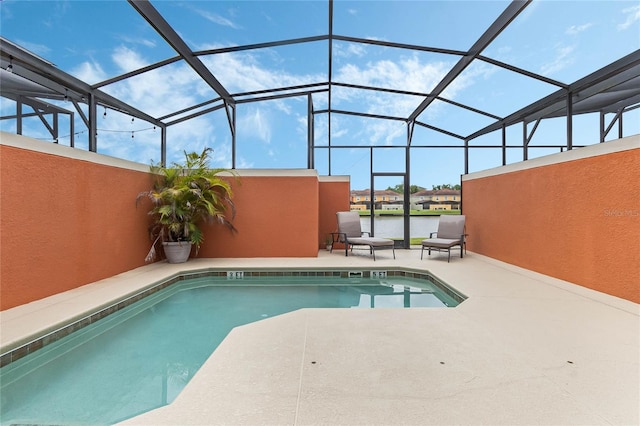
(43, 73)
(608, 89)
(26, 77)
(167, 32)
(489, 35)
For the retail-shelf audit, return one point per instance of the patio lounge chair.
(350, 233)
(450, 233)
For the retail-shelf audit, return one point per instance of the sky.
(98, 40)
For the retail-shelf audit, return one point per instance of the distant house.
(382, 199)
(438, 199)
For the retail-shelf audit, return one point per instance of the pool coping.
(27, 344)
(515, 336)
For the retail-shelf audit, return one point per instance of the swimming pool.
(141, 357)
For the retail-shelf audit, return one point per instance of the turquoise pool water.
(141, 357)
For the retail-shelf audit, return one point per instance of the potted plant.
(328, 242)
(184, 197)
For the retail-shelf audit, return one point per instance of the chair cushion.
(349, 224)
(451, 226)
(371, 241)
(440, 242)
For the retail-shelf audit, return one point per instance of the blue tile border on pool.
(48, 338)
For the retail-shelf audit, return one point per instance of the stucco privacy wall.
(334, 197)
(277, 216)
(573, 215)
(68, 217)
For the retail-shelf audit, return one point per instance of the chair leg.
(373, 251)
(393, 249)
(421, 252)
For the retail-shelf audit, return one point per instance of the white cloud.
(38, 49)
(217, 19)
(563, 59)
(176, 86)
(409, 74)
(256, 124)
(141, 41)
(89, 72)
(159, 91)
(577, 29)
(155, 92)
(339, 133)
(244, 72)
(346, 50)
(503, 50)
(632, 16)
(127, 59)
(243, 163)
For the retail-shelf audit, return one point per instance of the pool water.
(141, 357)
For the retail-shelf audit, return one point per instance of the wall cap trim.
(619, 145)
(27, 143)
(334, 178)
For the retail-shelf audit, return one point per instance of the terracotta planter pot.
(177, 252)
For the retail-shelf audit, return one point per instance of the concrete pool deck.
(524, 348)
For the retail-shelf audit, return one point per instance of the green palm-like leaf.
(185, 196)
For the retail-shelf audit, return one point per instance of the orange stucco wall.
(64, 223)
(334, 197)
(68, 217)
(277, 216)
(575, 220)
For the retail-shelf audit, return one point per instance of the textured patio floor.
(524, 348)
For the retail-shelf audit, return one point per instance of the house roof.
(377, 192)
(432, 192)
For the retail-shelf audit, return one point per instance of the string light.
(10, 66)
(105, 113)
(133, 132)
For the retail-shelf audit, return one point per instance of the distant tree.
(400, 188)
(446, 186)
(415, 188)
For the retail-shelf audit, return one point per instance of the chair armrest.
(432, 234)
(366, 232)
